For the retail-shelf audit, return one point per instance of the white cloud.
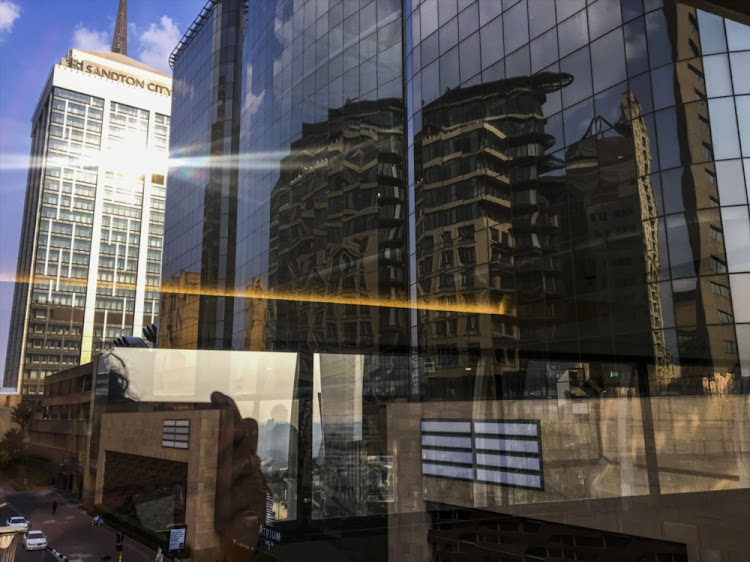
(9, 13)
(158, 42)
(90, 39)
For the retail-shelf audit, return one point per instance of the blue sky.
(34, 35)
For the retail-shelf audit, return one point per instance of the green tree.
(12, 445)
(21, 415)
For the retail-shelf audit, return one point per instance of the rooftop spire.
(120, 39)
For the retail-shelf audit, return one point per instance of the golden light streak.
(292, 296)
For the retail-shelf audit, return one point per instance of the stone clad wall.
(139, 433)
(596, 467)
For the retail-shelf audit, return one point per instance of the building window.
(730, 347)
(710, 176)
(693, 22)
(447, 356)
(467, 256)
(175, 434)
(718, 265)
(475, 354)
(467, 278)
(725, 317)
(694, 48)
(720, 289)
(701, 97)
(717, 234)
(447, 281)
(695, 72)
(466, 233)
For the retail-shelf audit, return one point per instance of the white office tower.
(89, 259)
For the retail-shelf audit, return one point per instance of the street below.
(68, 531)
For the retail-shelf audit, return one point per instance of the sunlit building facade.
(505, 243)
(90, 252)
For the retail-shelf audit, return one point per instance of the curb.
(143, 549)
(60, 557)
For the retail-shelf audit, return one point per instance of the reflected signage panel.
(504, 452)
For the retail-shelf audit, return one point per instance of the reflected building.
(336, 260)
(337, 234)
(486, 233)
(509, 246)
(257, 316)
(611, 257)
(700, 204)
(180, 311)
(447, 209)
(90, 251)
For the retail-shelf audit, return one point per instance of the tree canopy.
(12, 445)
(21, 415)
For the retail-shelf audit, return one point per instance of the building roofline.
(192, 31)
(125, 60)
(42, 97)
(196, 26)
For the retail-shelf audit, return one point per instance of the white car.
(34, 540)
(20, 522)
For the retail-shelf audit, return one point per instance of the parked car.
(34, 540)
(21, 522)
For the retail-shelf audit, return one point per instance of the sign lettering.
(117, 76)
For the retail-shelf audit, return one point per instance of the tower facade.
(199, 268)
(357, 121)
(89, 259)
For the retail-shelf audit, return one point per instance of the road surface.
(69, 531)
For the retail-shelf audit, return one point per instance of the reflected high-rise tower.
(612, 259)
(700, 201)
(486, 232)
(338, 234)
(337, 285)
(90, 251)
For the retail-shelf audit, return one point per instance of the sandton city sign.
(117, 76)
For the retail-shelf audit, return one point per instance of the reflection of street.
(69, 531)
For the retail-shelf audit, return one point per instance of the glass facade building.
(506, 244)
(205, 149)
(607, 185)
